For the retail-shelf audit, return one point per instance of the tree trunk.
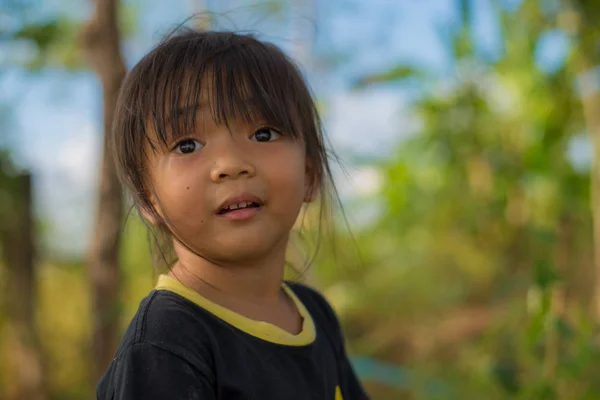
(591, 108)
(591, 111)
(575, 19)
(18, 248)
(202, 22)
(102, 41)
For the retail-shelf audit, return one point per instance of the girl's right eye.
(187, 146)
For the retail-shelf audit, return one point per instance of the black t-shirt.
(180, 345)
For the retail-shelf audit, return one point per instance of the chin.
(237, 255)
(239, 250)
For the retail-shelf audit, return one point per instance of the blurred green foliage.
(479, 271)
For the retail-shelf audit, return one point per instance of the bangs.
(233, 77)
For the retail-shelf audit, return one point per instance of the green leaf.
(544, 274)
(535, 330)
(43, 34)
(506, 373)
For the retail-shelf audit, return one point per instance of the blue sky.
(56, 121)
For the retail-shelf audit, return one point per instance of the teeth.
(243, 204)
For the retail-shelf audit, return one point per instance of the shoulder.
(148, 371)
(167, 321)
(168, 343)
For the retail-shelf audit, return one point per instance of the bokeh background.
(469, 177)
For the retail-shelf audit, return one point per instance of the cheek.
(287, 174)
(179, 189)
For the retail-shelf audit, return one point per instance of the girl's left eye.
(265, 134)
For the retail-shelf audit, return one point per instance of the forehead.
(186, 118)
(227, 77)
(226, 94)
(181, 117)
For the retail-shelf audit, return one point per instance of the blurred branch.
(395, 74)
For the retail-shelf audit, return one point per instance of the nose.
(230, 164)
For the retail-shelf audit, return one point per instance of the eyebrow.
(191, 108)
(186, 110)
(182, 111)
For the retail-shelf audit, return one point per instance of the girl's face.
(200, 180)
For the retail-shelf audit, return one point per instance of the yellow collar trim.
(259, 329)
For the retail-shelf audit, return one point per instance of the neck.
(258, 281)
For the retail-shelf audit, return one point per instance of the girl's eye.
(265, 134)
(187, 146)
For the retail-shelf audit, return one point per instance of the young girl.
(218, 139)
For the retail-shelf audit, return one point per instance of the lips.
(240, 202)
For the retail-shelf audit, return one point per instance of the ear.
(147, 215)
(311, 186)
(148, 211)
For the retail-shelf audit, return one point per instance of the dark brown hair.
(241, 77)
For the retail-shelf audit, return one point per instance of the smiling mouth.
(238, 206)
